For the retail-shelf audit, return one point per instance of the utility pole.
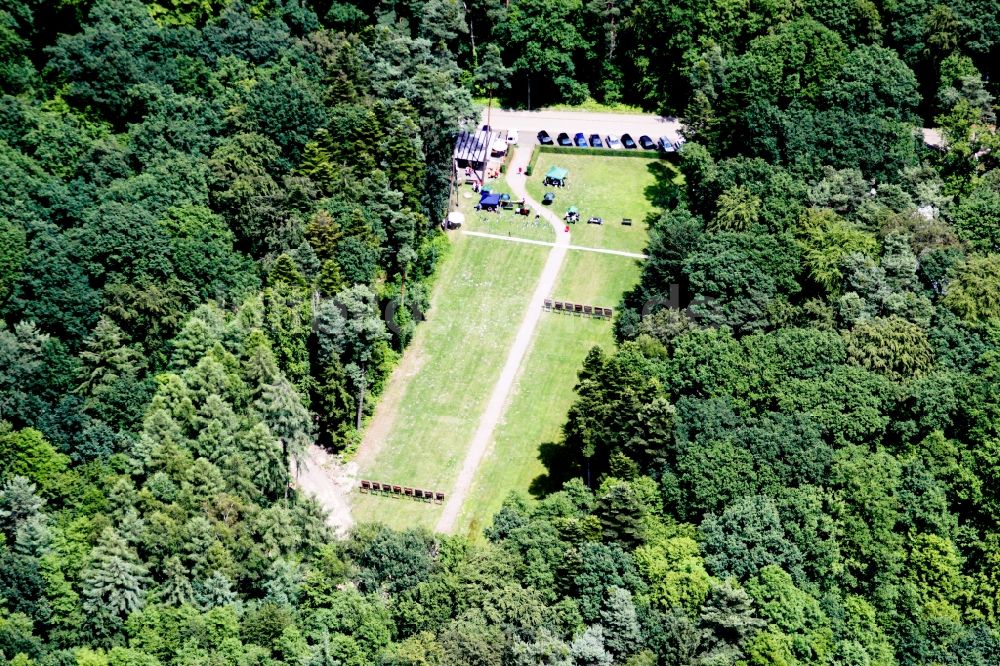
(452, 187)
(489, 110)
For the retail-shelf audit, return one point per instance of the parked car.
(611, 141)
(646, 143)
(563, 139)
(580, 140)
(628, 142)
(511, 137)
(595, 141)
(666, 145)
(544, 138)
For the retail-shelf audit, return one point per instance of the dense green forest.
(206, 207)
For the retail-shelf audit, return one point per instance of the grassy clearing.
(608, 187)
(596, 279)
(544, 390)
(477, 305)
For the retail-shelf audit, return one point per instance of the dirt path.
(323, 477)
(383, 418)
(500, 395)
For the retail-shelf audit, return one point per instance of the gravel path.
(483, 437)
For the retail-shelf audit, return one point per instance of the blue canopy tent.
(489, 201)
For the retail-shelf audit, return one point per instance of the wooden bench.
(367, 486)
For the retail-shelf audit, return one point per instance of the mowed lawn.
(478, 302)
(611, 188)
(544, 391)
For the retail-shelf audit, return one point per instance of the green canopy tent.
(556, 176)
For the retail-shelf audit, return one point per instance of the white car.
(511, 137)
(611, 141)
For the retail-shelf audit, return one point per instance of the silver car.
(611, 141)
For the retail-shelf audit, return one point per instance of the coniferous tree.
(107, 357)
(33, 536)
(176, 589)
(726, 620)
(18, 502)
(219, 430)
(265, 460)
(114, 585)
(214, 591)
(623, 635)
(588, 648)
(286, 417)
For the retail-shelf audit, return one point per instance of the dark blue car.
(580, 139)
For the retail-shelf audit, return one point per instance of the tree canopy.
(207, 208)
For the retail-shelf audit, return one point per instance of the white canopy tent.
(455, 219)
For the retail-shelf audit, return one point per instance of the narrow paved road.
(529, 241)
(500, 395)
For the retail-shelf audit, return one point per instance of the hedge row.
(508, 156)
(531, 162)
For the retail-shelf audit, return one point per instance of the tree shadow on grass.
(553, 456)
(664, 193)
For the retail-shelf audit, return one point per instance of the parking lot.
(529, 123)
